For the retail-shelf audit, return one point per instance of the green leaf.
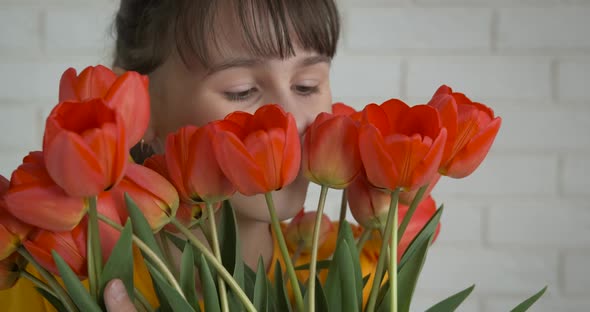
(143, 231)
(260, 289)
(229, 244)
(408, 275)
(79, 294)
(282, 302)
(525, 305)
(332, 287)
(56, 303)
(345, 233)
(425, 234)
(320, 265)
(383, 301)
(208, 287)
(120, 263)
(187, 277)
(453, 302)
(350, 294)
(174, 299)
(180, 244)
(321, 305)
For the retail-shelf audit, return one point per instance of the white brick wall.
(520, 222)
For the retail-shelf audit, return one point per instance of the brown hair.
(148, 30)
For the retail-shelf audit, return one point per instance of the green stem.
(383, 253)
(217, 253)
(165, 246)
(62, 295)
(216, 264)
(94, 250)
(393, 249)
(284, 252)
(367, 232)
(37, 282)
(314, 249)
(156, 261)
(142, 301)
(343, 206)
(411, 210)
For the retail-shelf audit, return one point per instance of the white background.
(520, 222)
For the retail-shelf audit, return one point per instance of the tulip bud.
(299, 232)
(85, 141)
(330, 151)
(42, 242)
(153, 194)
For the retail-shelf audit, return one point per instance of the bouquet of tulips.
(80, 212)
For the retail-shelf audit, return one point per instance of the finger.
(116, 299)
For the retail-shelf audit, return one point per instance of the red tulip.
(153, 194)
(370, 206)
(191, 166)
(35, 199)
(107, 206)
(400, 146)
(330, 151)
(85, 142)
(12, 231)
(264, 155)
(127, 94)
(42, 242)
(299, 232)
(471, 128)
(407, 197)
(10, 269)
(342, 109)
(425, 210)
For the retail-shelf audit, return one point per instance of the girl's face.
(239, 81)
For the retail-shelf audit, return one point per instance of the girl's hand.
(116, 299)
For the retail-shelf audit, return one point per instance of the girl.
(207, 58)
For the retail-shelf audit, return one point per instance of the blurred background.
(520, 222)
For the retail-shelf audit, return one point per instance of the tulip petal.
(43, 242)
(291, 154)
(426, 171)
(375, 158)
(266, 149)
(238, 165)
(472, 155)
(8, 242)
(94, 82)
(67, 86)
(204, 177)
(342, 109)
(177, 156)
(67, 159)
(129, 96)
(47, 207)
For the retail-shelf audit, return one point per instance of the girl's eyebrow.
(233, 62)
(250, 62)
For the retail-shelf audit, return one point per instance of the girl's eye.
(306, 90)
(241, 95)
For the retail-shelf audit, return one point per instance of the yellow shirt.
(24, 297)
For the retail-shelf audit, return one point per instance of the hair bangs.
(266, 28)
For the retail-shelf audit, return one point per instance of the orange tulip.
(154, 195)
(10, 269)
(191, 166)
(35, 199)
(127, 94)
(342, 109)
(330, 151)
(42, 242)
(400, 146)
(471, 128)
(264, 154)
(85, 142)
(108, 206)
(407, 197)
(12, 231)
(370, 206)
(299, 232)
